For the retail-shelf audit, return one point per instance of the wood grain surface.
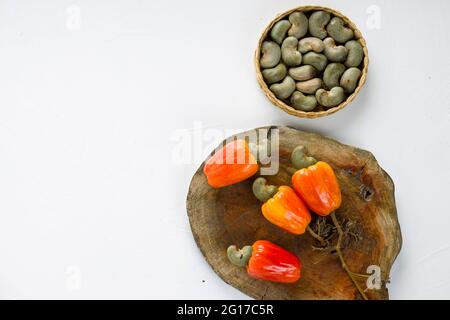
(232, 215)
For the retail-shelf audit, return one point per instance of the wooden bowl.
(232, 215)
(281, 104)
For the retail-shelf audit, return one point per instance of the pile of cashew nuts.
(311, 61)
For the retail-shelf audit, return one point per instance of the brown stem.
(360, 275)
(341, 257)
(323, 243)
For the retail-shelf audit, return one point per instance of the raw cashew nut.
(303, 73)
(309, 86)
(349, 79)
(332, 74)
(271, 54)
(275, 74)
(262, 190)
(279, 30)
(317, 60)
(284, 89)
(289, 53)
(310, 44)
(239, 257)
(355, 53)
(304, 103)
(299, 25)
(333, 52)
(338, 31)
(317, 22)
(300, 159)
(330, 98)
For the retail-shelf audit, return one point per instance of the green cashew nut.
(304, 103)
(303, 73)
(310, 44)
(309, 86)
(349, 79)
(332, 74)
(239, 257)
(271, 54)
(330, 98)
(279, 30)
(317, 22)
(300, 159)
(317, 60)
(355, 53)
(262, 190)
(333, 52)
(275, 74)
(299, 25)
(284, 89)
(338, 31)
(289, 53)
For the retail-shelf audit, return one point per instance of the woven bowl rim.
(311, 114)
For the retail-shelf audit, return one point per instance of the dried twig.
(341, 257)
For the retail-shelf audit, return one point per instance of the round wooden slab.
(232, 215)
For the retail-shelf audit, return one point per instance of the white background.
(93, 105)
